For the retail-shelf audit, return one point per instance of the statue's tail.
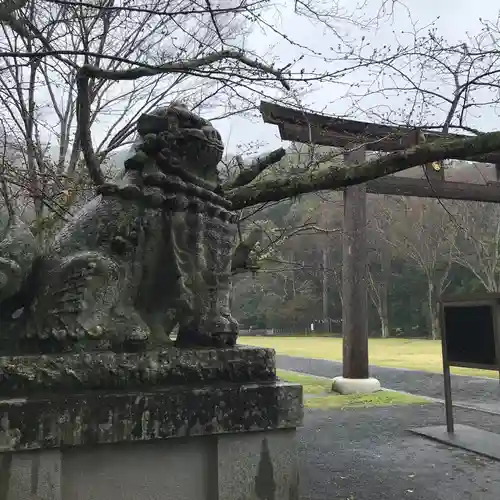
(18, 250)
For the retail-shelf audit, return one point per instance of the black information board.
(469, 338)
(470, 334)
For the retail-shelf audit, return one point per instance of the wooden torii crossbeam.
(312, 128)
(301, 126)
(315, 128)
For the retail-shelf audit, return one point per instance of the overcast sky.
(456, 19)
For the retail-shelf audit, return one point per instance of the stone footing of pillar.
(355, 385)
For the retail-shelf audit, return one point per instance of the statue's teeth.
(170, 202)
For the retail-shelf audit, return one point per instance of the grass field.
(318, 395)
(415, 354)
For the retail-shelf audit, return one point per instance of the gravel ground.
(367, 454)
(469, 391)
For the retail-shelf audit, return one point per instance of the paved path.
(475, 392)
(367, 454)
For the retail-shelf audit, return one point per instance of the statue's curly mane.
(184, 138)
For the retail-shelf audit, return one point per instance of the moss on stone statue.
(74, 372)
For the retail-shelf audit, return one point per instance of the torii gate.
(297, 125)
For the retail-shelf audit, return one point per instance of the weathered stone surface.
(173, 470)
(76, 372)
(97, 417)
(249, 466)
(151, 252)
(218, 415)
(31, 476)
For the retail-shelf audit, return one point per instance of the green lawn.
(394, 353)
(318, 395)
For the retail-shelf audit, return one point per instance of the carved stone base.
(205, 439)
(107, 370)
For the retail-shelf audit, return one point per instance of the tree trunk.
(436, 329)
(326, 318)
(384, 292)
(433, 319)
(384, 326)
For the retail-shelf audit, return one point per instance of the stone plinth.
(344, 385)
(192, 425)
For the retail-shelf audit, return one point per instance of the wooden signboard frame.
(491, 300)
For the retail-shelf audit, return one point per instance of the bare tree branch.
(184, 67)
(85, 138)
(257, 166)
(337, 177)
(244, 6)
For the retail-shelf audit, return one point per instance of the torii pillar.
(356, 377)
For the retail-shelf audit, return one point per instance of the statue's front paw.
(225, 339)
(128, 331)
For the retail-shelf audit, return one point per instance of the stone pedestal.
(172, 424)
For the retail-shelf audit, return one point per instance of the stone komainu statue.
(151, 252)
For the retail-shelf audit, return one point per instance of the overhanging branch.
(255, 168)
(185, 66)
(337, 177)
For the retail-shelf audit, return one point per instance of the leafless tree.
(421, 231)
(379, 259)
(477, 246)
(223, 62)
(427, 81)
(62, 40)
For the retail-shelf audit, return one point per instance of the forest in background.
(418, 249)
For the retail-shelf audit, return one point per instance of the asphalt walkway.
(475, 392)
(368, 454)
